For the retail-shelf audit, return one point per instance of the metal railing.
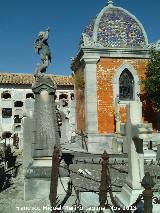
(105, 189)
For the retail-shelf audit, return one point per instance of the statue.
(41, 47)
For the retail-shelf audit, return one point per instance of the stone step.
(144, 125)
(143, 130)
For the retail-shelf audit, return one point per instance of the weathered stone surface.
(28, 137)
(45, 121)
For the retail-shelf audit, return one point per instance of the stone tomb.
(133, 188)
(41, 137)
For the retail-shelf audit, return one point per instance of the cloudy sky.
(21, 20)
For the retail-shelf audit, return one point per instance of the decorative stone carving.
(87, 41)
(46, 127)
(41, 46)
(155, 46)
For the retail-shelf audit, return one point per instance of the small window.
(17, 119)
(29, 95)
(6, 112)
(126, 85)
(18, 104)
(6, 95)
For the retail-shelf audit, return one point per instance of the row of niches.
(17, 104)
(7, 95)
(64, 96)
(8, 113)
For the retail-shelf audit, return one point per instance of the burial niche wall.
(6, 95)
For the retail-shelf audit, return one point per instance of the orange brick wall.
(106, 69)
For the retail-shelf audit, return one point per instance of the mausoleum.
(109, 68)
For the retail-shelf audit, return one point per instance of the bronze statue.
(42, 48)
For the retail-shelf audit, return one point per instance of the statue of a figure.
(42, 47)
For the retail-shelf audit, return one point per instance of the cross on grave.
(133, 188)
(135, 148)
(110, 2)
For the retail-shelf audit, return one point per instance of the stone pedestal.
(98, 143)
(128, 196)
(46, 136)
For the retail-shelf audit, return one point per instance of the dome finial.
(110, 2)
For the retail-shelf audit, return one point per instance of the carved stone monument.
(45, 128)
(133, 188)
(45, 121)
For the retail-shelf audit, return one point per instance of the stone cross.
(110, 2)
(132, 188)
(135, 146)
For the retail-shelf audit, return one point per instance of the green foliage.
(79, 80)
(152, 81)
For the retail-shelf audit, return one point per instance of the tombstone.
(45, 137)
(27, 141)
(137, 116)
(45, 121)
(133, 188)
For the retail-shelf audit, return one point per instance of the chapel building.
(109, 68)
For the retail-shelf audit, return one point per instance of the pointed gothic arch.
(132, 74)
(126, 85)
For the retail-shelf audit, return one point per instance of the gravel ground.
(12, 199)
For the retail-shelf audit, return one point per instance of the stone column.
(45, 121)
(91, 95)
(46, 136)
(91, 117)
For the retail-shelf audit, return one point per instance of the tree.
(152, 81)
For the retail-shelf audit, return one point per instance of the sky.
(21, 21)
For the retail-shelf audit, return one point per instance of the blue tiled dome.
(116, 27)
